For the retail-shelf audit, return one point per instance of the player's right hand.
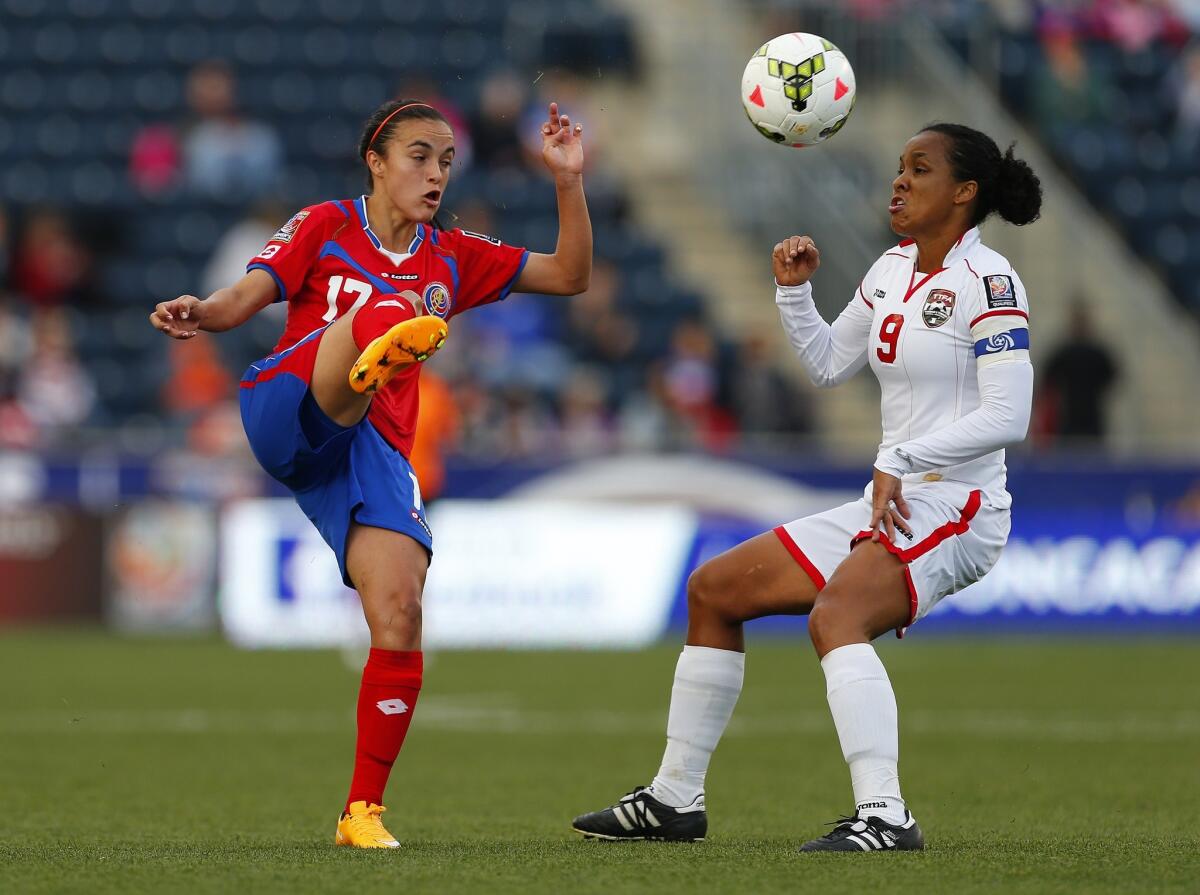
(794, 260)
(178, 318)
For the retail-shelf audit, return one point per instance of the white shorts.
(957, 536)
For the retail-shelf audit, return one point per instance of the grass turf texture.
(153, 766)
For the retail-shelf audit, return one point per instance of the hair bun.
(1018, 191)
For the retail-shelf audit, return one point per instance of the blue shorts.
(338, 475)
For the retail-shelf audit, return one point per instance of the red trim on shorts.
(797, 554)
(950, 529)
(942, 532)
(912, 601)
(1015, 311)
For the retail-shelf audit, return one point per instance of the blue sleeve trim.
(508, 287)
(1012, 340)
(338, 205)
(274, 276)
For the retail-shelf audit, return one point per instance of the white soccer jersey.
(950, 350)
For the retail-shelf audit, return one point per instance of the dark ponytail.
(1007, 185)
(381, 126)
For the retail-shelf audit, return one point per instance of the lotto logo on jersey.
(437, 300)
(288, 230)
(939, 307)
(1000, 292)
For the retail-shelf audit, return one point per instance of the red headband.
(383, 123)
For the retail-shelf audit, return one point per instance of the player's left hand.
(562, 144)
(889, 509)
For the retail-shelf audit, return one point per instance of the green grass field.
(157, 766)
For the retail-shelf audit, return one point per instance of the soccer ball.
(798, 89)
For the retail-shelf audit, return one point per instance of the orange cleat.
(360, 827)
(406, 343)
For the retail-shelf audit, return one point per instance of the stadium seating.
(1128, 165)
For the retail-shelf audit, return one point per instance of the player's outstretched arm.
(183, 317)
(569, 269)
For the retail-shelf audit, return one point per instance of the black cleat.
(641, 816)
(868, 833)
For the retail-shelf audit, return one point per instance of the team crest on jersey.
(939, 306)
(288, 230)
(437, 300)
(1000, 291)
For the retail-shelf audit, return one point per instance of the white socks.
(707, 684)
(864, 713)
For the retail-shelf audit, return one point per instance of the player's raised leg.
(388, 570)
(754, 579)
(867, 596)
(361, 351)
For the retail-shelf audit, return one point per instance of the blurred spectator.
(586, 428)
(239, 244)
(690, 378)
(764, 401)
(224, 153)
(1078, 375)
(1135, 24)
(54, 391)
(218, 152)
(1066, 90)
(1185, 90)
(155, 159)
(495, 125)
(437, 433)
(51, 265)
(197, 379)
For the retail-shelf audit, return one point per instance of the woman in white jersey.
(943, 322)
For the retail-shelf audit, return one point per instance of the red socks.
(391, 682)
(377, 317)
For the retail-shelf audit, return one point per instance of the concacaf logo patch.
(1000, 291)
(939, 306)
(437, 300)
(288, 230)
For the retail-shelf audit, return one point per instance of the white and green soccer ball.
(798, 89)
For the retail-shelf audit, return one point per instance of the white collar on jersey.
(957, 252)
(360, 205)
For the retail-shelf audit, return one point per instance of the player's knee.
(704, 591)
(826, 623)
(395, 608)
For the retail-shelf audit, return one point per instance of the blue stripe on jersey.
(332, 248)
(260, 367)
(1012, 340)
(338, 205)
(516, 276)
(452, 263)
(274, 276)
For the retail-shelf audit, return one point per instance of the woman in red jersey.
(370, 284)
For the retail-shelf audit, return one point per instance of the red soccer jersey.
(326, 261)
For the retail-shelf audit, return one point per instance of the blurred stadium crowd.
(154, 147)
(149, 148)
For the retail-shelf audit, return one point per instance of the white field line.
(497, 715)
